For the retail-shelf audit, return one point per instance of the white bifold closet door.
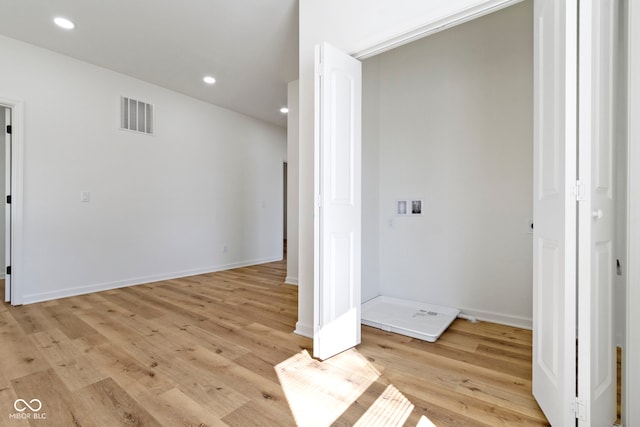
(554, 206)
(596, 251)
(338, 83)
(573, 212)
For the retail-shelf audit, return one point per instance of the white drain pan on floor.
(414, 319)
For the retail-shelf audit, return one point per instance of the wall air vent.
(136, 116)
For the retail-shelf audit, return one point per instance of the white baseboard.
(70, 292)
(2, 276)
(291, 280)
(304, 330)
(501, 319)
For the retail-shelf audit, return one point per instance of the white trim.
(499, 318)
(631, 356)
(70, 292)
(317, 248)
(291, 280)
(304, 330)
(17, 201)
(468, 14)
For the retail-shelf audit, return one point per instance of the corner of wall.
(304, 329)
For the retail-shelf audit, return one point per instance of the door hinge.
(9, 129)
(318, 201)
(579, 409)
(9, 199)
(579, 191)
(8, 269)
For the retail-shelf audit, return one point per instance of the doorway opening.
(402, 164)
(11, 135)
(285, 187)
(447, 122)
(5, 194)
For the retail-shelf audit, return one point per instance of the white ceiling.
(249, 46)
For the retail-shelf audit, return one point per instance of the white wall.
(453, 119)
(292, 182)
(161, 206)
(371, 160)
(351, 26)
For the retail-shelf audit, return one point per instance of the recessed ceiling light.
(284, 110)
(64, 23)
(209, 80)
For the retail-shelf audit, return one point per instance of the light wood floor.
(218, 349)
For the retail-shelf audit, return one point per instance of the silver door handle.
(597, 214)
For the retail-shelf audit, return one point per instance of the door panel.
(337, 219)
(554, 255)
(341, 263)
(549, 315)
(596, 272)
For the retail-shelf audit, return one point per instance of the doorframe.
(631, 356)
(465, 14)
(17, 204)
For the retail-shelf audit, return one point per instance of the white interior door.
(7, 217)
(554, 252)
(338, 202)
(596, 257)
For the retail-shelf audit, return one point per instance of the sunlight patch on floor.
(425, 422)
(319, 393)
(390, 409)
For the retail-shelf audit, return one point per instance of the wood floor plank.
(106, 404)
(31, 319)
(68, 323)
(208, 350)
(471, 342)
(263, 348)
(177, 409)
(509, 367)
(18, 355)
(147, 293)
(59, 405)
(192, 335)
(506, 334)
(439, 416)
(253, 414)
(73, 368)
(443, 370)
(235, 380)
(7, 409)
(500, 397)
(125, 370)
(470, 407)
(135, 305)
(258, 365)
